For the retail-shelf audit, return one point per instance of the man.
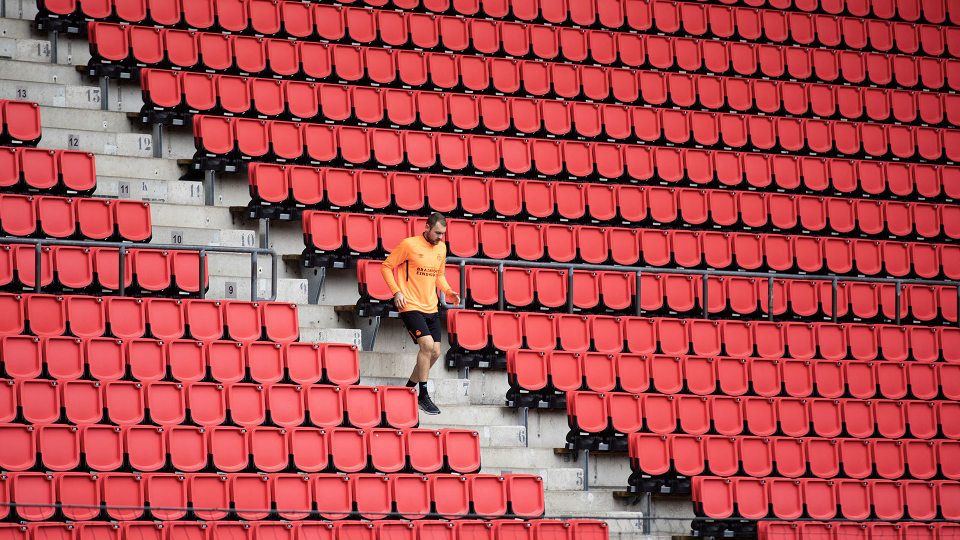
(420, 262)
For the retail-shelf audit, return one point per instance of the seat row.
(332, 237)
(807, 530)
(60, 171)
(171, 96)
(249, 496)
(778, 26)
(19, 122)
(66, 217)
(118, 50)
(579, 12)
(934, 11)
(715, 455)
(596, 417)
(47, 315)
(547, 289)
(179, 95)
(787, 498)
(521, 39)
(208, 404)
(543, 376)
(79, 269)
(392, 28)
(610, 15)
(52, 447)
(227, 143)
(461, 529)
(483, 336)
(277, 188)
(179, 360)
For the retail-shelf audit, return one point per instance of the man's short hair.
(435, 218)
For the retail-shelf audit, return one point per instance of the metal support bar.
(38, 270)
(706, 297)
(639, 309)
(369, 328)
(253, 277)
(265, 235)
(208, 198)
(104, 93)
(202, 257)
(158, 140)
(322, 271)
(833, 302)
(569, 289)
(693, 271)
(647, 511)
(501, 297)
(526, 426)
(54, 41)
(586, 470)
(122, 255)
(769, 298)
(899, 300)
(463, 286)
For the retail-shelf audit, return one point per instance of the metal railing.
(124, 247)
(705, 275)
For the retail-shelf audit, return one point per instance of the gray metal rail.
(705, 274)
(124, 247)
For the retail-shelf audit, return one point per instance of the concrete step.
(20, 9)
(14, 70)
(59, 85)
(444, 392)
(50, 94)
(494, 436)
(227, 288)
(553, 479)
(133, 141)
(398, 365)
(109, 132)
(196, 236)
(594, 503)
(314, 316)
(20, 39)
(150, 190)
(17, 29)
(26, 49)
(330, 335)
(530, 458)
(207, 217)
(467, 416)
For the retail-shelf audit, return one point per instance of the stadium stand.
(706, 249)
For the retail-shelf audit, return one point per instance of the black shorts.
(421, 324)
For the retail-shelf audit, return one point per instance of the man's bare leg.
(428, 355)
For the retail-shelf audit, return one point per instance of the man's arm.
(442, 283)
(395, 259)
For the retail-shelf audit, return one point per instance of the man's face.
(435, 235)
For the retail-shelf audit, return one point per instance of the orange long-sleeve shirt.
(420, 267)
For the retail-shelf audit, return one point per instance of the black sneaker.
(426, 404)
